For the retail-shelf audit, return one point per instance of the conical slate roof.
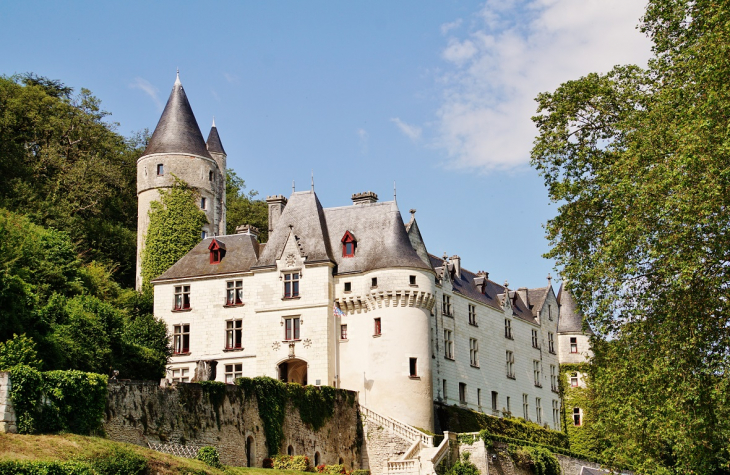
(177, 131)
(570, 319)
(214, 141)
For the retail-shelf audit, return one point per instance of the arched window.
(316, 459)
(348, 245)
(290, 450)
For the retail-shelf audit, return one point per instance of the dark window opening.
(573, 344)
(374, 282)
(181, 339)
(291, 285)
(160, 169)
(343, 332)
(234, 332)
(413, 367)
(182, 297)
(413, 280)
(462, 393)
(210, 176)
(348, 286)
(378, 328)
(495, 400)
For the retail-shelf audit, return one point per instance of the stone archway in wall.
(293, 370)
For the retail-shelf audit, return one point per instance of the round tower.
(177, 149)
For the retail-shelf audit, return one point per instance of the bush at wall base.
(209, 456)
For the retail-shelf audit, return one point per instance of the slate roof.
(570, 319)
(493, 294)
(537, 299)
(213, 144)
(177, 131)
(241, 254)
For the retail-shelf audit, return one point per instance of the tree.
(19, 350)
(175, 226)
(242, 208)
(639, 161)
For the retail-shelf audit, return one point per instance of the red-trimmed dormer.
(217, 251)
(348, 245)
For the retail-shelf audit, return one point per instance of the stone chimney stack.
(276, 207)
(248, 229)
(364, 198)
(456, 260)
(524, 295)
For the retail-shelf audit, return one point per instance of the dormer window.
(348, 245)
(217, 251)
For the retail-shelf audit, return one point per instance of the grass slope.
(73, 447)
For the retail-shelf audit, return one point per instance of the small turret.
(215, 148)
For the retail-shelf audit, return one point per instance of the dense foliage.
(463, 466)
(538, 460)
(585, 438)
(209, 456)
(175, 228)
(639, 160)
(299, 463)
(115, 462)
(243, 208)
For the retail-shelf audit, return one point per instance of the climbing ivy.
(175, 226)
(583, 438)
(538, 459)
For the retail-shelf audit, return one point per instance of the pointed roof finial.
(177, 79)
(506, 285)
(550, 279)
(293, 188)
(213, 121)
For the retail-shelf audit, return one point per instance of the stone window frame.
(234, 372)
(510, 364)
(525, 407)
(234, 293)
(413, 368)
(449, 344)
(234, 334)
(551, 343)
(535, 339)
(160, 169)
(292, 328)
(474, 352)
(462, 393)
(181, 298)
(537, 373)
(446, 308)
(291, 282)
(556, 414)
(538, 410)
(574, 345)
(343, 332)
(181, 339)
(377, 326)
(473, 315)
(182, 377)
(508, 329)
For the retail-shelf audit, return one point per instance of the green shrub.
(292, 462)
(537, 459)
(19, 350)
(209, 456)
(333, 469)
(463, 467)
(16, 467)
(119, 461)
(361, 472)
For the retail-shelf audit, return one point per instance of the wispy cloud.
(215, 95)
(446, 27)
(413, 132)
(516, 49)
(231, 78)
(364, 137)
(149, 89)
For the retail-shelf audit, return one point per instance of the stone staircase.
(421, 457)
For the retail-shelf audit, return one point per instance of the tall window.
(574, 380)
(510, 364)
(508, 328)
(525, 408)
(233, 372)
(343, 332)
(181, 339)
(291, 328)
(448, 345)
(234, 329)
(180, 375)
(291, 285)
(472, 314)
(535, 341)
(413, 367)
(443, 384)
(473, 352)
(203, 203)
(160, 169)
(573, 344)
(551, 343)
(538, 409)
(553, 378)
(446, 306)
(495, 401)
(182, 297)
(577, 417)
(550, 312)
(556, 415)
(462, 393)
(234, 292)
(509, 406)
(378, 327)
(479, 397)
(536, 372)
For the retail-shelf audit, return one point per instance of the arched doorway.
(293, 371)
(250, 452)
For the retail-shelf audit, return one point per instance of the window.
(574, 380)
(234, 292)
(495, 401)
(474, 352)
(472, 315)
(550, 312)
(536, 372)
(556, 415)
(180, 375)
(291, 285)
(348, 245)
(553, 378)
(551, 343)
(510, 364)
(203, 202)
(234, 330)
(525, 408)
(210, 175)
(290, 450)
(538, 410)
(448, 345)
(160, 169)
(413, 367)
(343, 332)
(378, 327)
(446, 306)
(462, 393)
(508, 328)
(412, 280)
(374, 282)
(444, 388)
(217, 251)
(203, 234)
(233, 372)
(291, 328)
(573, 344)
(534, 339)
(182, 297)
(509, 408)
(348, 286)
(181, 339)
(577, 417)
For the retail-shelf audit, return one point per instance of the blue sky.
(434, 95)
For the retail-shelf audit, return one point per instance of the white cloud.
(517, 49)
(231, 78)
(446, 27)
(149, 89)
(364, 136)
(413, 132)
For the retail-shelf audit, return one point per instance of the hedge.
(115, 462)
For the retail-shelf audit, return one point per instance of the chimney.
(276, 207)
(456, 260)
(524, 295)
(364, 198)
(481, 281)
(248, 229)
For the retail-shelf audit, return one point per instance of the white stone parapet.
(8, 422)
(397, 427)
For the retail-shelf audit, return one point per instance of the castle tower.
(177, 149)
